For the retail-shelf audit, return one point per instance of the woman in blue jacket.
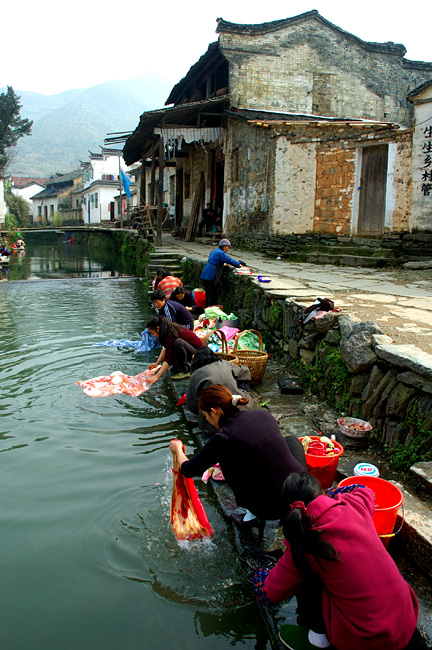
(217, 258)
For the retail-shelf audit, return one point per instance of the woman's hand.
(152, 366)
(175, 447)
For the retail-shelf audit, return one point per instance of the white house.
(101, 184)
(421, 202)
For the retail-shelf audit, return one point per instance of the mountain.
(70, 124)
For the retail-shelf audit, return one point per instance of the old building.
(290, 126)
(57, 197)
(101, 185)
(421, 98)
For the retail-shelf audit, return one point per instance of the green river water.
(88, 558)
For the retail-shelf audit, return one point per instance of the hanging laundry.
(188, 517)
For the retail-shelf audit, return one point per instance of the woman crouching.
(179, 345)
(349, 590)
(254, 456)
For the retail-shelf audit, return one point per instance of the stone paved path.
(399, 301)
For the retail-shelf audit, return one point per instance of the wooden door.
(373, 184)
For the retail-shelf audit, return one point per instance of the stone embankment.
(354, 368)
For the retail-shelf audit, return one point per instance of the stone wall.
(406, 246)
(313, 177)
(350, 364)
(308, 65)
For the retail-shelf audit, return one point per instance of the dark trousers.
(182, 355)
(309, 605)
(296, 448)
(211, 292)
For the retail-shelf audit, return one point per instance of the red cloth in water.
(188, 517)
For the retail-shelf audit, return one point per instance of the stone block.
(375, 377)
(407, 356)
(375, 396)
(306, 355)
(381, 339)
(356, 352)
(359, 382)
(399, 399)
(416, 380)
(325, 323)
(346, 324)
(332, 337)
(392, 432)
(309, 340)
(293, 349)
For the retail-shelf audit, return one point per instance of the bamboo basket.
(255, 360)
(224, 354)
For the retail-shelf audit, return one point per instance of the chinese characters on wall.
(426, 169)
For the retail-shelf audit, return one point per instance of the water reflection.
(43, 262)
(89, 559)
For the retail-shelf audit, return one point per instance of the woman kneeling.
(179, 346)
(349, 590)
(254, 457)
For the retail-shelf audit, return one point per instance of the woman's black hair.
(167, 329)
(158, 294)
(180, 290)
(300, 529)
(163, 273)
(203, 357)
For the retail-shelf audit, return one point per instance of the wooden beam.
(160, 193)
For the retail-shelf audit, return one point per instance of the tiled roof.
(64, 178)
(213, 52)
(272, 117)
(49, 191)
(24, 181)
(418, 90)
(225, 26)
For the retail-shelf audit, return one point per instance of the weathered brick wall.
(293, 186)
(277, 69)
(334, 190)
(312, 178)
(402, 184)
(243, 197)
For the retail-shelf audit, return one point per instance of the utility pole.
(121, 188)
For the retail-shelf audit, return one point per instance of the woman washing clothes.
(253, 455)
(208, 369)
(349, 591)
(186, 298)
(179, 345)
(217, 258)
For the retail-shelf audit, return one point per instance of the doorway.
(373, 185)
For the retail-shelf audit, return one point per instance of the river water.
(88, 557)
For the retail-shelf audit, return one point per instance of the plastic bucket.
(324, 467)
(388, 500)
(200, 298)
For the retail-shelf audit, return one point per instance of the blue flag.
(126, 182)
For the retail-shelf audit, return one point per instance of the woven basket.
(224, 354)
(255, 360)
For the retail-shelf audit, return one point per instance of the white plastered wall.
(294, 197)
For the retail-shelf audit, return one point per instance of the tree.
(19, 208)
(12, 126)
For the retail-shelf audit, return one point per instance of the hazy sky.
(55, 46)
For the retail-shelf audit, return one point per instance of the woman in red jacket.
(349, 590)
(179, 345)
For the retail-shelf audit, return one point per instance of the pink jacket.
(367, 605)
